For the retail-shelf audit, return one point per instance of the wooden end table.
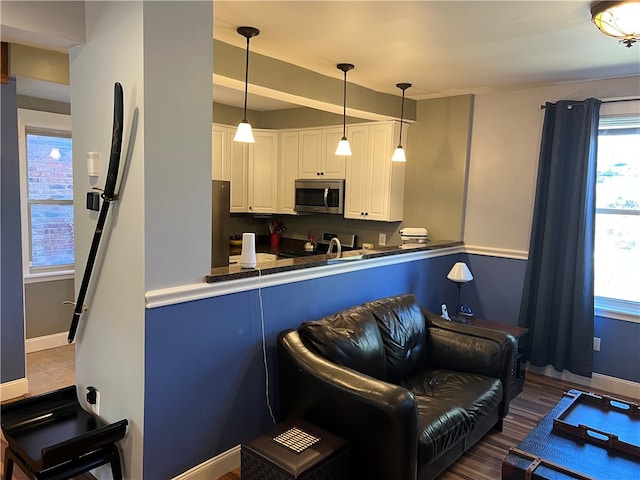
(519, 333)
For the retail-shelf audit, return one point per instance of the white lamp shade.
(244, 134)
(460, 273)
(398, 155)
(343, 147)
(55, 153)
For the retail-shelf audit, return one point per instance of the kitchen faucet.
(332, 242)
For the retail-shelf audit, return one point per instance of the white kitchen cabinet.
(317, 153)
(333, 166)
(288, 148)
(251, 169)
(229, 162)
(237, 154)
(374, 186)
(263, 172)
(218, 153)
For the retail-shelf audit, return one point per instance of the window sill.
(49, 276)
(617, 309)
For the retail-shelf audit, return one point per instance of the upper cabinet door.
(333, 166)
(309, 164)
(357, 173)
(219, 159)
(263, 172)
(238, 175)
(288, 147)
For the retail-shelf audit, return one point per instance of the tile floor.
(51, 369)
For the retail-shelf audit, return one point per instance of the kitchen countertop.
(234, 272)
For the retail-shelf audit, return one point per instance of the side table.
(519, 333)
(295, 450)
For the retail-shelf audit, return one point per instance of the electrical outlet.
(382, 239)
(93, 399)
(596, 344)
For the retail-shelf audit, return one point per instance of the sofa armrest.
(472, 349)
(380, 419)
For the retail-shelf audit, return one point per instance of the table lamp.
(459, 274)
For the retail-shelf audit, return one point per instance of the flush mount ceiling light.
(620, 20)
(398, 154)
(244, 133)
(343, 145)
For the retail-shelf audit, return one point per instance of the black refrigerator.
(220, 217)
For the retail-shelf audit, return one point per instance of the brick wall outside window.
(50, 200)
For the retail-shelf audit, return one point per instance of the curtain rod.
(542, 107)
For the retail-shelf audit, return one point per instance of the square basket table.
(295, 450)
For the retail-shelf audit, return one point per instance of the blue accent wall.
(496, 291)
(11, 305)
(619, 354)
(204, 373)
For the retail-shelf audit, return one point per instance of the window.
(46, 193)
(617, 241)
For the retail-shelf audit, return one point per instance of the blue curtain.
(557, 300)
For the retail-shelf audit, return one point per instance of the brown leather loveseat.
(409, 390)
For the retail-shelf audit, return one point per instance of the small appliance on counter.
(413, 236)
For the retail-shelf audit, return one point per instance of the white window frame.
(612, 307)
(46, 121)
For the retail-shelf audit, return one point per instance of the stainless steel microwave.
(320, 196)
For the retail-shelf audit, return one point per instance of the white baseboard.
(45, 342)
(613, 385)
(13, 389)
(215, 467)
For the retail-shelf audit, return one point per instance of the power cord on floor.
(264, 349)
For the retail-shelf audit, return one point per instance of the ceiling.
(442, 47)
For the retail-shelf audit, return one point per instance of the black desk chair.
(52, 437)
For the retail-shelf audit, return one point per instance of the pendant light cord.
(344, 107)
(401, 117)
(246, 83)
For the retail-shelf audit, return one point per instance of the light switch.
(93, 201)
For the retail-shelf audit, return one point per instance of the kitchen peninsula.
(360, 256)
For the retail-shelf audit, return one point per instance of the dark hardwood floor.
(484, 460)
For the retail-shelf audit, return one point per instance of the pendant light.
(244, 133)
(343, 145)
(398, 154)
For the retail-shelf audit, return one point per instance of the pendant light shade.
(244, 133)
(398, 154)
(344, 148)
(619, 20)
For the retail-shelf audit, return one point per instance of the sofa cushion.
(450, 405)
(403, 330)
(350, 338)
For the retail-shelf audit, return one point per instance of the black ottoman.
(295, 450)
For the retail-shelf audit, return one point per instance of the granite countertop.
(235, 272)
